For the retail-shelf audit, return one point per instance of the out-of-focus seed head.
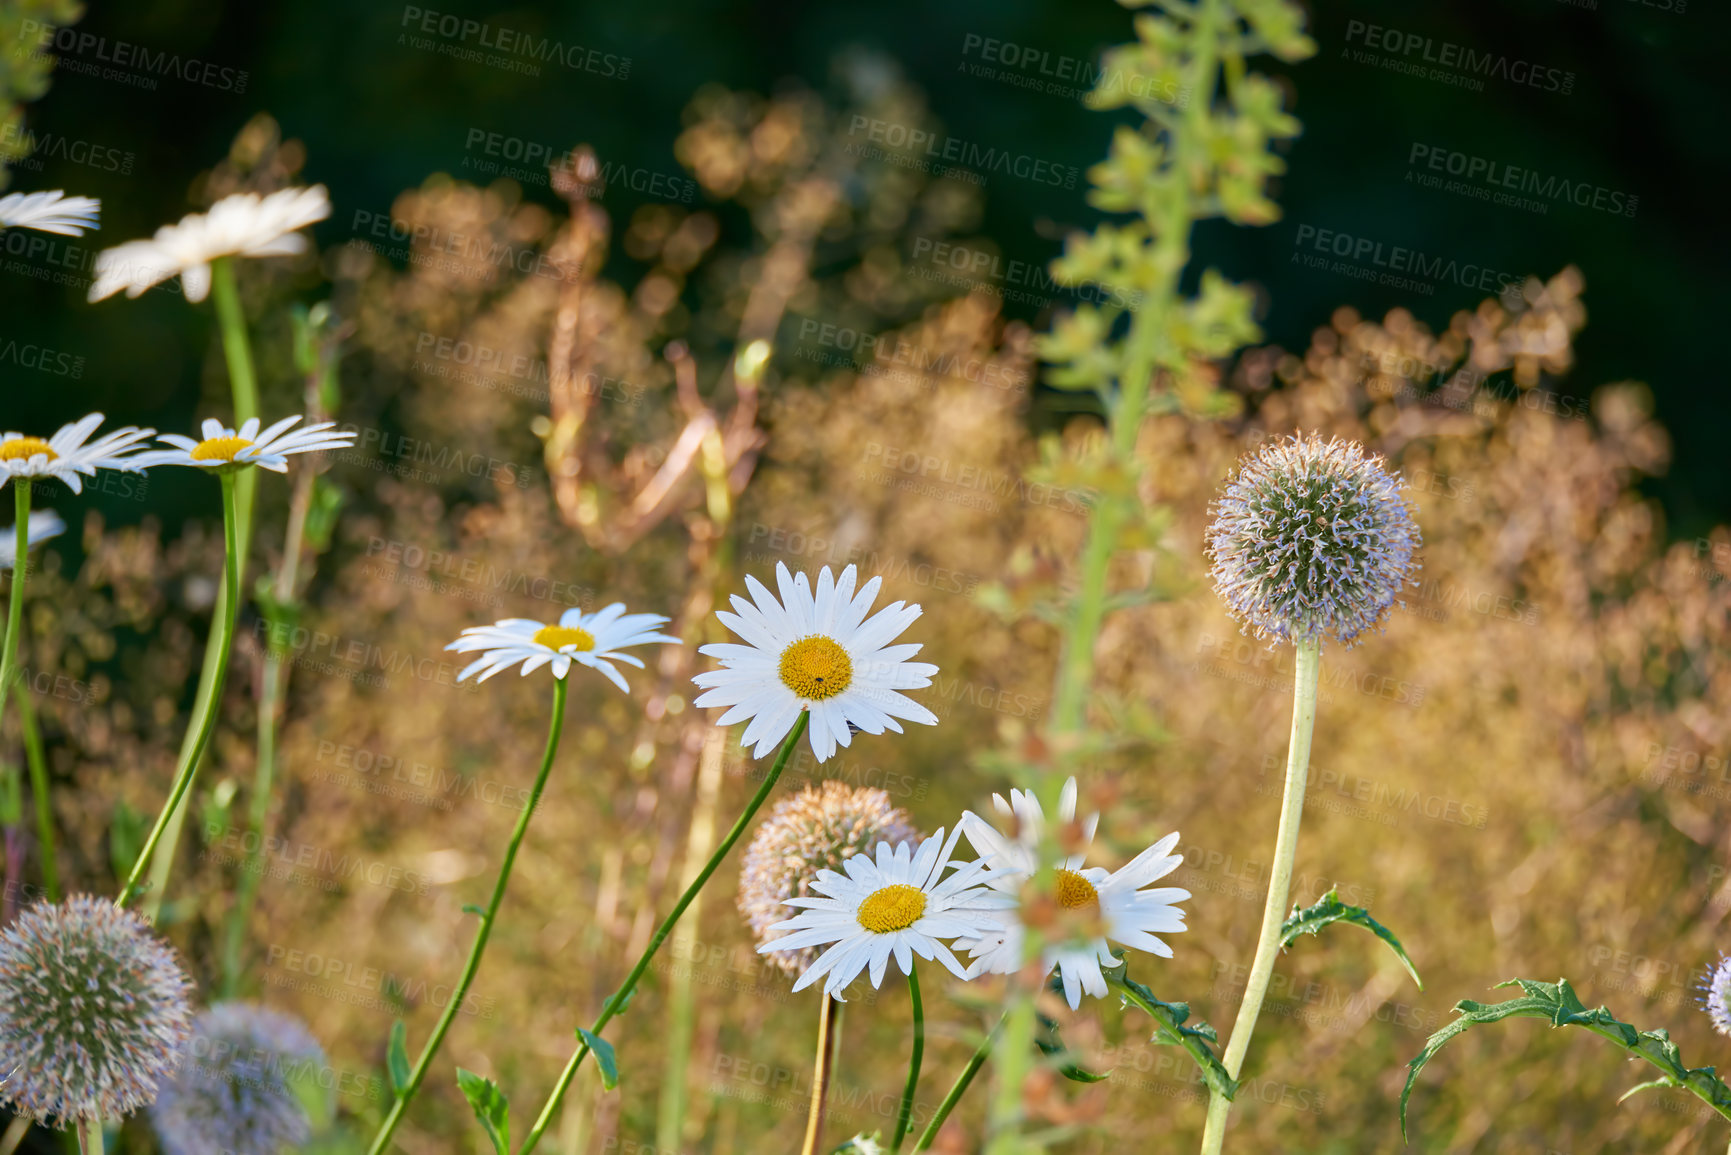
(93, 1008)
(1311, 539)
(235, 1091)
(814, 830)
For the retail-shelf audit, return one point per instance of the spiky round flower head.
(814, 830)
(1312, 540)
(235, 1090)
(1716, 995)
(92, 1011)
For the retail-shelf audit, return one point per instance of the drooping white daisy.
(65, 455)
(594, 640)
(43, 524)
(817, 653)
(49, 212)
(1131, 915)
(894, 903)
(225, 448)
(242, 225)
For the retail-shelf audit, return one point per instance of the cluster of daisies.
(820, 651)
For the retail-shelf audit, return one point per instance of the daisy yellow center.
(893, 908)
(558, 637)
(24, 448)
(816, 668)
(219, 448)
(1074, 891)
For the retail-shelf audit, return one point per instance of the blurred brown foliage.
(1523, 776)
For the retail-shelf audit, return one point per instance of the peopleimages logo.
(1488, 178)
(931, 146)
(1450, 62)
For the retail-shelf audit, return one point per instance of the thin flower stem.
(15, 605)
(828, 1039)
(204, 720)
(90, 1135)
(1308, 662)
(919, 1052)
(981, 1053)
(616, 1002)
(39, 788)
(243, 387)
(406, 1093)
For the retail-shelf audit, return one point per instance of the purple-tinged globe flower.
(235, 1090)
(1312, 540)
(816, 829)
(1716, 995)
(93, 1008)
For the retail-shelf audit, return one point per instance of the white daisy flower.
(896, 903)
(49, 212)
(594, 640)
(817, 653)
(43, 524)
(65, 455)
(242, 225)
(225, 448)
(1130, 914)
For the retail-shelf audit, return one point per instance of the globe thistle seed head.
(234, 1091)
(1311, 539)
(93, 1007)
(814, 830)
(1716, 995)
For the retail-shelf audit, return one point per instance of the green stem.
(15, 607)
(919, 1052)
(981, 1053)
(90, 1134)
(39, 788)
(616, 1002)
(243, 386)
(204, 720)
(406, 1093)
(1308, 662)
(269, 700)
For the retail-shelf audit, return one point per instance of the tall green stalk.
(616, 1002)
(958, 1089)
(203, 722)
(39, 790)
(15, 604)
(1308, 662)
(406, 1093)
(243, 383)
(918, 1053)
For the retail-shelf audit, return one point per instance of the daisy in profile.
(819, 653)
(1128, 914)
(43, 524)
(65, 456)
(895, 903)
(229, 449)
(595, 640)
(242, 225)
(49, 212)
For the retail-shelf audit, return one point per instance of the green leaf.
(471, 908)
(490, 1108)
(604, 1058)
(1558, 1003)
(1169, 1029)
(1329, 909)
(397, 1058)
(1053, 1048)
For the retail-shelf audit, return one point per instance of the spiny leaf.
(490, 1108)
(604, 1058)
(1558, 1003)
(397, 1058)
(1169, 1029)
(1329, 909)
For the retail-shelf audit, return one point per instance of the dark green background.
(1645, 117)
